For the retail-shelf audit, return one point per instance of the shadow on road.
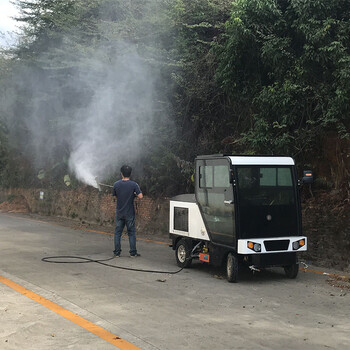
(245, 274)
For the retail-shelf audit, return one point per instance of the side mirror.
(308, 177)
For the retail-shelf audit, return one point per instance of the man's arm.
(114, 194)
(138, 192)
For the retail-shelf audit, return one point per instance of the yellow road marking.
(152, 241)
(89, 326)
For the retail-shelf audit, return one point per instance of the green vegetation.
(249, 76)
(289, 60)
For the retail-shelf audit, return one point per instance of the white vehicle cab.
(245, 210)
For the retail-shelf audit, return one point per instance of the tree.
(199, 104)
(290, 61)
(68, 58)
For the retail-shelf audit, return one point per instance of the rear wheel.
(232, 267)
(292, 270)
(183, 253)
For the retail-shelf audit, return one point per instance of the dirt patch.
(342, 282)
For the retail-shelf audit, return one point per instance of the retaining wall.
(86, 205)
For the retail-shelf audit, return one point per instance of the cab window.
(214, 176)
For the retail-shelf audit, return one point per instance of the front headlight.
(257, 247)
(254, 246)
(298, 244)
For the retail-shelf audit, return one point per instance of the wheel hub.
(229, 264)
(181, 253)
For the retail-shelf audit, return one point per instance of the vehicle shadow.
(246, 275)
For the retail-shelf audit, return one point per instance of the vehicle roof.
(261, 160)
(252, 160)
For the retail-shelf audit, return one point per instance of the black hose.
(51, 259)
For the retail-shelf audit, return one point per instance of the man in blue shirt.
(125, 190)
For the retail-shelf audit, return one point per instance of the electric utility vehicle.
(245, 210)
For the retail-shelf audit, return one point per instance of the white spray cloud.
(112, 127)
(95, 104)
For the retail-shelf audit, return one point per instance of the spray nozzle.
(99, 184)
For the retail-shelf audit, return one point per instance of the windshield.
(266, 201)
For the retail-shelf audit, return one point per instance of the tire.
(183, 253)
(292, 270)
(232, 268)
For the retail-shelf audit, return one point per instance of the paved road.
(195, 309)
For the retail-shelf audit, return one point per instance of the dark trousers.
(130, 225)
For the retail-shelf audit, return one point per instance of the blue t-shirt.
(125, 192)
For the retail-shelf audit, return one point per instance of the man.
(126, 190)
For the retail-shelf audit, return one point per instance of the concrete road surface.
(92, 306)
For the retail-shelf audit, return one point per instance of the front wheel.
(183, 253)
(232, 267)
(291, 270)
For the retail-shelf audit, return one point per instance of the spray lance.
(99, 184)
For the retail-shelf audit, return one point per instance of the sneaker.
(135, 255)
(116, 256)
